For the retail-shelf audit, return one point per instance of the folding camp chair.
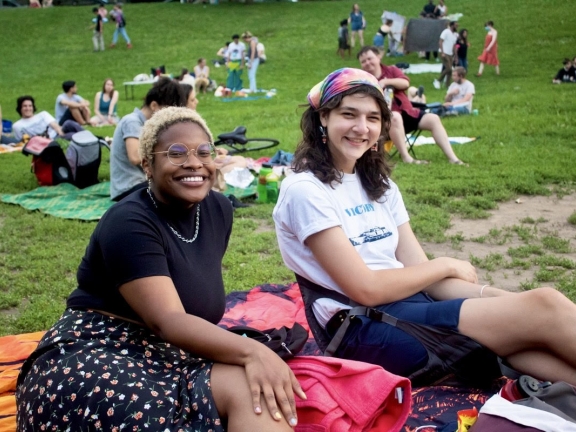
(410, 138)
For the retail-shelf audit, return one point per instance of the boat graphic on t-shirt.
(371, 235)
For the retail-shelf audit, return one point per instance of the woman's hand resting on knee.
(270, 376)
(460, 269)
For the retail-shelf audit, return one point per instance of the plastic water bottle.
(261, 187)
(388, 95)
(272, 181)
(475, 112)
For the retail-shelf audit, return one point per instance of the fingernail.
(277, 416)
(258, 410)
(293, 422)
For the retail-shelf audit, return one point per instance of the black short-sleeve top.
(133, 241)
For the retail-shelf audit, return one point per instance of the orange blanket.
(13, 351)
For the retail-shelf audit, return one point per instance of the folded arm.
(342, 262)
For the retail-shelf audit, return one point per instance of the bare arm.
(340, 260)
(410, 253)
(156, 301)
(73, 104)
(132, 146)
(494, 36)
(97, 106)
(54, 125)
(113, 103)
(397, 83)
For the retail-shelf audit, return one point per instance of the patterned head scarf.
(339, 81)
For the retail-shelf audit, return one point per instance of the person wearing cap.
(235, 63)
(71, 106)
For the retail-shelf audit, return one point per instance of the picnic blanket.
(420, 68)
(262, 307)
(68, 202)
(453, 140)
(65, 200)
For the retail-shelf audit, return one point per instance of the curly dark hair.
(314, 156)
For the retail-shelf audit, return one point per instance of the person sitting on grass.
(43, 123)
(460, 93)
(71, 106)
(126, 173)
(405, 117)
(341, 223)
(138, 346)
(105, 103)
(567, 74)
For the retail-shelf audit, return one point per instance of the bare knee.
(548, 299)
(229, 387)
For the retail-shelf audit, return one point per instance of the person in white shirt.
(448, 39)
(460, 93)
(42, 123)
(202, 74)
(235, 63)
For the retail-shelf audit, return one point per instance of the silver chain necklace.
(184, 239)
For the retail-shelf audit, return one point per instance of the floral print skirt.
(92, 372)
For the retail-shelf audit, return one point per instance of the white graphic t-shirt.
(307, 206)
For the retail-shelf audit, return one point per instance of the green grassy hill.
(525, 122)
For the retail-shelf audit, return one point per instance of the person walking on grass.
(490, 53)
(118, 16)
(98, 35)
(448, 39)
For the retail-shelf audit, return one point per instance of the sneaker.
(112, 45)
(436, 84)
(420, 91)
(129, 45)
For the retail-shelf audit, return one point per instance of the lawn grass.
(525, 123)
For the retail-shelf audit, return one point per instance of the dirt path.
(550, 214)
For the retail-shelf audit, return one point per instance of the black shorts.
(66, 116)
(411, 123)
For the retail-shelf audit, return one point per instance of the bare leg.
(497, 70)
(361, 37)
(233, 162)
(432, 123)
(534, 330)
(78, 116)
(398, 137)
(234, 402)
(481, 68)
(352, 39)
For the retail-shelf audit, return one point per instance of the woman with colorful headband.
(341, 223)
(138, 347)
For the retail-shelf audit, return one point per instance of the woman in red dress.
(490, 53)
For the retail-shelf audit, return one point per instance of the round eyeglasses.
(178, 153)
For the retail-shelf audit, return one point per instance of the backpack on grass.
(49, 164)
(84, 155)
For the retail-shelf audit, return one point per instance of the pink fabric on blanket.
(349, 396)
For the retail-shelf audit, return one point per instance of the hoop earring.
(323, 132)
(374, 147)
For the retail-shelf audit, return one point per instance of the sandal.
(459, 162)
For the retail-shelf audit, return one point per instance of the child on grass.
(343, 39)
(98, 27)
